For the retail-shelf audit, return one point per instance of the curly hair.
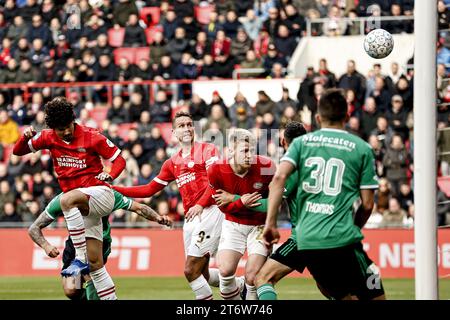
(59, 113)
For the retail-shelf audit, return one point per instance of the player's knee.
(226, 271)
(72, 293)
(192, 271)
(95, 264)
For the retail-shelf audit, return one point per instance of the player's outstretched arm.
(150, 214)
(366, 207)
(21, 147)
(276, 188)
(35, 233)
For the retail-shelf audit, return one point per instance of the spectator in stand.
(443, 145)
(327, 78)
(397, 26)
(396, 162)
(264, 104)
(404, 89)
(369, 117)
(217, 116)
(273, 57)
(104, 70)
(6, 52)
(353, 126)
(406, 197)
(146, 174)
(285, 42)
(124, 72)
(10, 11)
(251, 62)
(289, 114)
(197, 108)
(145, 125)
(161, 110)
(397, 117)
(213, 25)
(134, 33)
(273, 23)
(251, 24)
(231, 25)
(202, 46)
(395, 216)
(137, 106)
(113, 135)
(19, 111)
(178, 45)
(39, 30)
(294, 20)
(208, 68)
(154, 142)
(69, 73)
(17, 30)
(285, 102)
(94, 27)
(8, 213)
(39, 122)
(240, 103)
(378, 152)
(9, 74)
(443, 55)
(157, 49)
(158, 159)
(191, 26)
(382, 196)
(122, 12)
(383, 132)
(184, 8)
(354, 80)
(335, 25)
(186, 69)
(354, 107)
(443, 16)
(240, 45)
(443, 207)
(9, 130)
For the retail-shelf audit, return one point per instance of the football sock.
(201, 289)
(229, 289)
(251, 293)
(75, 225)
(267, 292)
(91, 293)
(214, 279)
(103, 284)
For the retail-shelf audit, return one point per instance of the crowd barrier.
(158, 252)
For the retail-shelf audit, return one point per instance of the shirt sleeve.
(166, 174)
(369, 178)
(39, 142)
(211, 155)
(105, 148)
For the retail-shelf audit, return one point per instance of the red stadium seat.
(99, 114)
(444, 185)
(142, 53)
(128, 53)
(166, 130)
(155, 13)
(149, 32)
(202, 13)
(115, 37)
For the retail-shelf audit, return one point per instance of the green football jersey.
(53, 210)
(332, 166)
(290, 193)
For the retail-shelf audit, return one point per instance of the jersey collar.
(333, 130)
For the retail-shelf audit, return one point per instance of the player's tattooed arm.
(150, 214)
(35, 232)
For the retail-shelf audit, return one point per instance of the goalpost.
(425, 225)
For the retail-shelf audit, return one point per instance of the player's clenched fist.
(51, 251)
(29, 132)
(164, 220)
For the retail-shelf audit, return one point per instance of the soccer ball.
(378, 43)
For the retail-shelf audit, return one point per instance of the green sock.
(91, 293)
(266, 292)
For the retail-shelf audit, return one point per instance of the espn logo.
(127, 253)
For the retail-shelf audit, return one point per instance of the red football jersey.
(190, 172)
(257, 179)
(78, 162)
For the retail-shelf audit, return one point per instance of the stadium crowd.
(48, 41)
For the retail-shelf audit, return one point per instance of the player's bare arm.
(366, 207)
(276, 188)
(150, 214)
(35, 232)
(21, 147)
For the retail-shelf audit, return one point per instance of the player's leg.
(282, 262)
(91, 293)
(72, 286)
(70, 204)
(203, 238)
(266, 278)
(257, 256)
(231, 249)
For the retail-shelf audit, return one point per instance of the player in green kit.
(335, 169)
(72, 287)
(286, 258)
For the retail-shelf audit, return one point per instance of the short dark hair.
(333, 105)
(180, 114)
(59, 113)
(293, 130)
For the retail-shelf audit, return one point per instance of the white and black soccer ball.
(378, 43)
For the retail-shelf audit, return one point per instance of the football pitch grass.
(176, 288)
